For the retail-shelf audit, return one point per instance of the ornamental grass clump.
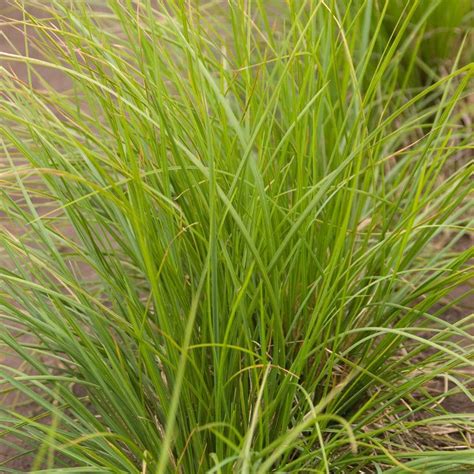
(234, 241)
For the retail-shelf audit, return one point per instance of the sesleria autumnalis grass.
(234, 238)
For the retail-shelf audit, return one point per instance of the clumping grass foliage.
(230, 243)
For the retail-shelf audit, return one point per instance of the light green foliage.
(442, 25)
(234, 238)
